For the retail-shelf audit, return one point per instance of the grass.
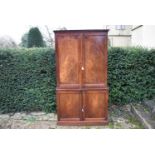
(135, 122)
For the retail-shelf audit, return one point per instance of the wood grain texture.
(69, 60)
(69, 105)
(81, 65)
(94, 58)
(95, 105)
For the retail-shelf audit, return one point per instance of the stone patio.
(120, 117)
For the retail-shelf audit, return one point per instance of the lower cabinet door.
(95, 104)
(69, 105)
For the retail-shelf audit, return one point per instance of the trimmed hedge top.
(28, 80)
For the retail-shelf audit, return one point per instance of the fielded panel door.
(68, 60)
(95, 77)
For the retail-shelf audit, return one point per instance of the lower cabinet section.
(82, 107)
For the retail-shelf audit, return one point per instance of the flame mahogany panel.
(95, 48)
(95, 104)
(69, 105)
(68, 50)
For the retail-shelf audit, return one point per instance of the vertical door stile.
(106, 61)
(81, 61)
(82, 73)
(57, 75)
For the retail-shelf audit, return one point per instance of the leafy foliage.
(35, 38)
(24, 40)
(28, 80)
(131, 74)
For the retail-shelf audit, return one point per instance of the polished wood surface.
(69, 105)
(81, 65)
(94, 60)
(69, 60)
(95, 104)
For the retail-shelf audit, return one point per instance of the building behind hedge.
(143, 35)
(119, 35)
(131, 35)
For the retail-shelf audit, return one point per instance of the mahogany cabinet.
(81, 66)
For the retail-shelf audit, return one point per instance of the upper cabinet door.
(95, 60)
(68, 47)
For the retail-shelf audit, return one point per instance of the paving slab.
(120, 117)
(151, 105)
(143, 115)
(18, 116)
(24, 124)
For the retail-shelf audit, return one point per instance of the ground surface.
(119, 118)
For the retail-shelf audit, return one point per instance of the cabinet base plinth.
(82, 123)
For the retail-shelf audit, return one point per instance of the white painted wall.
(137, 36)
(149, 36)
(120, 41)
(114, 31)
(119, 38)
(144, 36)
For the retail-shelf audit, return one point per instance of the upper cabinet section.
(81, 57)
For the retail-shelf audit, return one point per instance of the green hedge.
(131, 74)
(27, 77)
(27, 80)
